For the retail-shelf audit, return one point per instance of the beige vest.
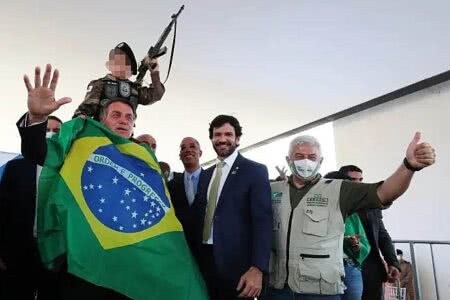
(314, 233)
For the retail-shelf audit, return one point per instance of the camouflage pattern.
(96, 92)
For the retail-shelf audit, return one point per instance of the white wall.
(376, 140)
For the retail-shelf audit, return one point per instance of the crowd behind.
(299, 236)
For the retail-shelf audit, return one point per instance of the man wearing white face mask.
(25, 276)
(309, 213)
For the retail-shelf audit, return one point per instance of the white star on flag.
(115, 180)
(90, 169)
(142, 174)
(127, 207)
(102, 200)
(115, 219)
(91, 186)
(134, 214)
(143, 221)
(127, 192)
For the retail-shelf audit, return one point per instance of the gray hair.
(305, 139)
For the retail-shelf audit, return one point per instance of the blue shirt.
(195, 179)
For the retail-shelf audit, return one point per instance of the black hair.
(220, 120)
(350, 168)
(55, 119)
(337, 175)
(399, 252)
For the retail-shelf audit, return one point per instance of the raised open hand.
(41, 97)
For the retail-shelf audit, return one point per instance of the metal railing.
(411, 243)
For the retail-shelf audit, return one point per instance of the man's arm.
(261, 222)
(418, 156)
(33, 142)
(41, 103)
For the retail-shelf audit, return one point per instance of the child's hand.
(153, 64)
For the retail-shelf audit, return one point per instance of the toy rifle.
(158, 50)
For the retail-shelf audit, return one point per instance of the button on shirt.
(194, 178)
(229, 161)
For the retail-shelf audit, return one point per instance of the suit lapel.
(231, 181)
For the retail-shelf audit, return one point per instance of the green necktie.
(212, 201)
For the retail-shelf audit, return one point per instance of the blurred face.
(190, 152)
(224, 140)
(356, 176)
(53, 126)
(149, 140)
(119, 119)
(118, 66)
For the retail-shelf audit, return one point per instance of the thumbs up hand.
(420, 155)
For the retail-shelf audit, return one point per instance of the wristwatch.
(409, 167)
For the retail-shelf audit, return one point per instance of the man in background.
(183, 186)
(24, 275)
(373, 270)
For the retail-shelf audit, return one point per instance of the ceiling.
(275, 65)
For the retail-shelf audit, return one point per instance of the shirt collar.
(194, 174)
(291, 181)
(229, 161)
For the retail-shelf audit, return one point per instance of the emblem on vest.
(124, 89)
(276, 197)
(317, 200)
(111, 89)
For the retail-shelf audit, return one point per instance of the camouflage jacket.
(95, 93)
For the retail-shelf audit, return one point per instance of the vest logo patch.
(276, 197)
(317, 200)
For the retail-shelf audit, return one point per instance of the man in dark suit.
(234, 229)
(373, 269)
(24, 275)
(183, 186)
(118, 115)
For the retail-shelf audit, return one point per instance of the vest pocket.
(312, 280)
(330, 283)
(308, 280)
(316, 221)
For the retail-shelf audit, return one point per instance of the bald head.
(190, 153)
(147, 139)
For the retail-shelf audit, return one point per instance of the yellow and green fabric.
(104, 205)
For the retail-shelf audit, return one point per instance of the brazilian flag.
(104, 205)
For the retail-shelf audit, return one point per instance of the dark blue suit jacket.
(184, 212)
(242, 223)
